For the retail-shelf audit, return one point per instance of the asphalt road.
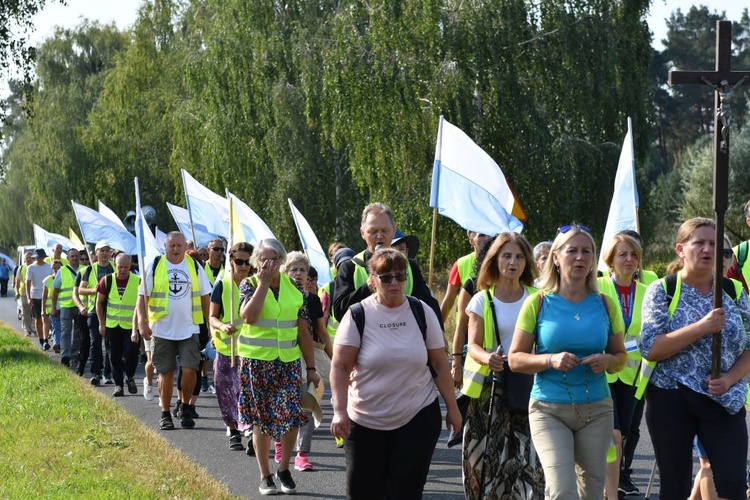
(208, 446)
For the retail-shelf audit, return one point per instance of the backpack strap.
(418, 310)
(108, 283)
(729, 288)
(358, 315)
(742, 254)
(494, 320)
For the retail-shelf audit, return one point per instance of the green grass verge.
(61, 439)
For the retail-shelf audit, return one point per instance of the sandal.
(166, 424)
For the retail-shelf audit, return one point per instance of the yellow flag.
(74, 238)
(235, 227)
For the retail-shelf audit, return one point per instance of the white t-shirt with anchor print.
(178, 323)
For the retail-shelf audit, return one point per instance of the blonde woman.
(569, 336)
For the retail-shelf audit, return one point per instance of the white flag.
(311, 245)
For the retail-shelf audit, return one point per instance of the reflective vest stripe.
(274, 334)
(120, 309)
(158, 300)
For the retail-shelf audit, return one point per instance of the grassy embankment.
(61, 439)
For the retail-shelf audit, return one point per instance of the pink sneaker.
(301, 463)
(277, 452)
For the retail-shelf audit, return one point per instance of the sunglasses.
(567, 227)
(386, 279)
(241, 262)
(217, 249)
(727, 253)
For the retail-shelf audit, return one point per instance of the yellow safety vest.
(90, 300)
(629, 374)
(745, 269)
(647, 368)
(475, 374)
(48, 285)
(158, 301)
(333, 324)
(210, 273)
(120, 309)
(360, 274)
(22, 275)
(274, 334)
(649, 277)
(466, 266)
(67, 283)
(223, 341)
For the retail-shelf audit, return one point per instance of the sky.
(123, 14)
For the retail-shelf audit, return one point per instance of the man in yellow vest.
(56, 255)
(216, 256)
(171, 306)
(461, 270)
(84, 294)
(65, 308)
(377, 228)
(116, 296)
(20, 287)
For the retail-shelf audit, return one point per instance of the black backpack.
(358, 315)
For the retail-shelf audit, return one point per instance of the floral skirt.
(512, 469)
(270, 395)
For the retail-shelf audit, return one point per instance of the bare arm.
(78, 302)
(101, 299)
(520, 357)
(143, 326)
(446, 306)
(214, 319)
(325, 339)
(459, 337)
(476, 345)
(342, 364)
(444, 384)
(739, 369)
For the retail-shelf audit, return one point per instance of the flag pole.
(228, 267)
(433, 199)
(190, 212)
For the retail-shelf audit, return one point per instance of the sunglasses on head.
(386, 279)
(727, 253)
(567, 227)
(241, 262)
(217, 249)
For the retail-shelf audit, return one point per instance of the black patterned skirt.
(512, 469)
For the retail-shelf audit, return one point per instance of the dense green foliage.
(336, 103)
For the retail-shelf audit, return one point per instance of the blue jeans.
(55, 328)
(95, 352)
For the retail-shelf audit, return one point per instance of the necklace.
(570, 396)
(577, 315)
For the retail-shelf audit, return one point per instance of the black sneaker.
(187, 422)
(46, 346)
(166, 424)
(267, 486)
(176, 411)
(626, 486)
(96, 380)
(188, 410)
(132, 388)
(286, 482)
(56, 348)
(65, 361)
(118, 392)
(235, 442)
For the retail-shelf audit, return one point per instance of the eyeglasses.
(386, 279)
(241, 262)
(567, 227)
(217, 249)
(727, 253)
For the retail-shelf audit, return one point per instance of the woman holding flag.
(225, 321)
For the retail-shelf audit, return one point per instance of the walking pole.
(650, 481)
(489, 425)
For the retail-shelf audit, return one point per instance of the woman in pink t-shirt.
(385, 402)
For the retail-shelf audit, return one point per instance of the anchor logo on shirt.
(174, 287)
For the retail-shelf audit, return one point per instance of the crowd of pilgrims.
(544, 379)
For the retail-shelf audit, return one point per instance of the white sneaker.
(148, 391)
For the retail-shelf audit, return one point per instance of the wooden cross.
(723, 80)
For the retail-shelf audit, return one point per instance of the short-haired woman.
(384, 398)
(578, 337)
(274, 332)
